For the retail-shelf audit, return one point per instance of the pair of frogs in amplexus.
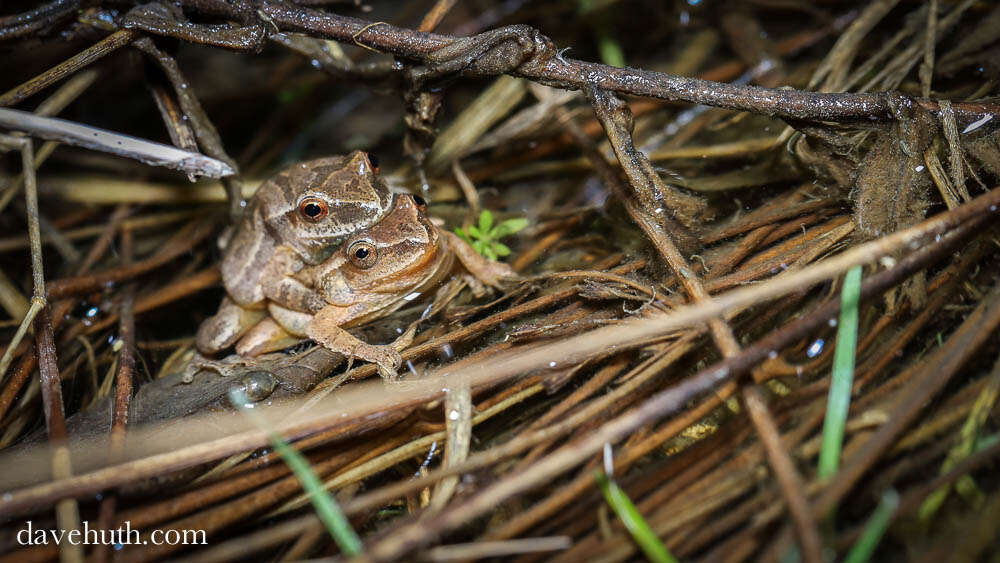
(324, 245)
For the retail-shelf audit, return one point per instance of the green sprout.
(485, 238)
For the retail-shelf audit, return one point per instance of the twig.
(792, 488)
(181, 242)
(37, 20)
(153, 154)
(94, 52)
(208, 137)
(543, 65)
(38, 301)
(436, 14)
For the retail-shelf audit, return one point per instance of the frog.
(294, 219)
(373, 273)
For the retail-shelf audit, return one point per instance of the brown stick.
(792, 488)
(181, 242)
(544, 64)
(103, 47)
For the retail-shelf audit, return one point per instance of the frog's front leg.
(486, 271)
(280, 286)
(226, 327)
(325, 329)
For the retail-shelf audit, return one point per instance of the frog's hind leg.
(266, 336)
(483, 270)
(226, 327)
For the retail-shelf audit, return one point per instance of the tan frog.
(296, 218)
(373, 273)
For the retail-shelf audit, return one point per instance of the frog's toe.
(389, 363)
(385, 358)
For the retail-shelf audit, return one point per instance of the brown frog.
(296, 218)
(373, 273)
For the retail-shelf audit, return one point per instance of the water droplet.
(832, 322)
(772, 354)
(315, 63)
(92, 312)
(919, 168)
(815, 348)
(453, 415)
(552, 364)
(447, 351)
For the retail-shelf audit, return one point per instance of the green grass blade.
(634, 522)
(839, 400)
(874, 529)
(326, 508)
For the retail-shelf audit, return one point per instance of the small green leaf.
(501, 249)
(509, 227)
(462, 234)
(485, 221)
(488, 252)
(475, 232)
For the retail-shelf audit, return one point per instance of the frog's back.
(249, 250)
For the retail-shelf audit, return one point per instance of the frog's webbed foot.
(324, 329)
(485, 272)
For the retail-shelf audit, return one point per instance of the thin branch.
(540, 61)
(153, 154)
(784, 470)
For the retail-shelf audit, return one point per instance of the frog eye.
(362, 254)
(373, 160)
(421, 202)
(313, 209)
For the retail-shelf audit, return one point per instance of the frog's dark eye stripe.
(362, 254)
(373, 160)
(421, 202)
(313, 209)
